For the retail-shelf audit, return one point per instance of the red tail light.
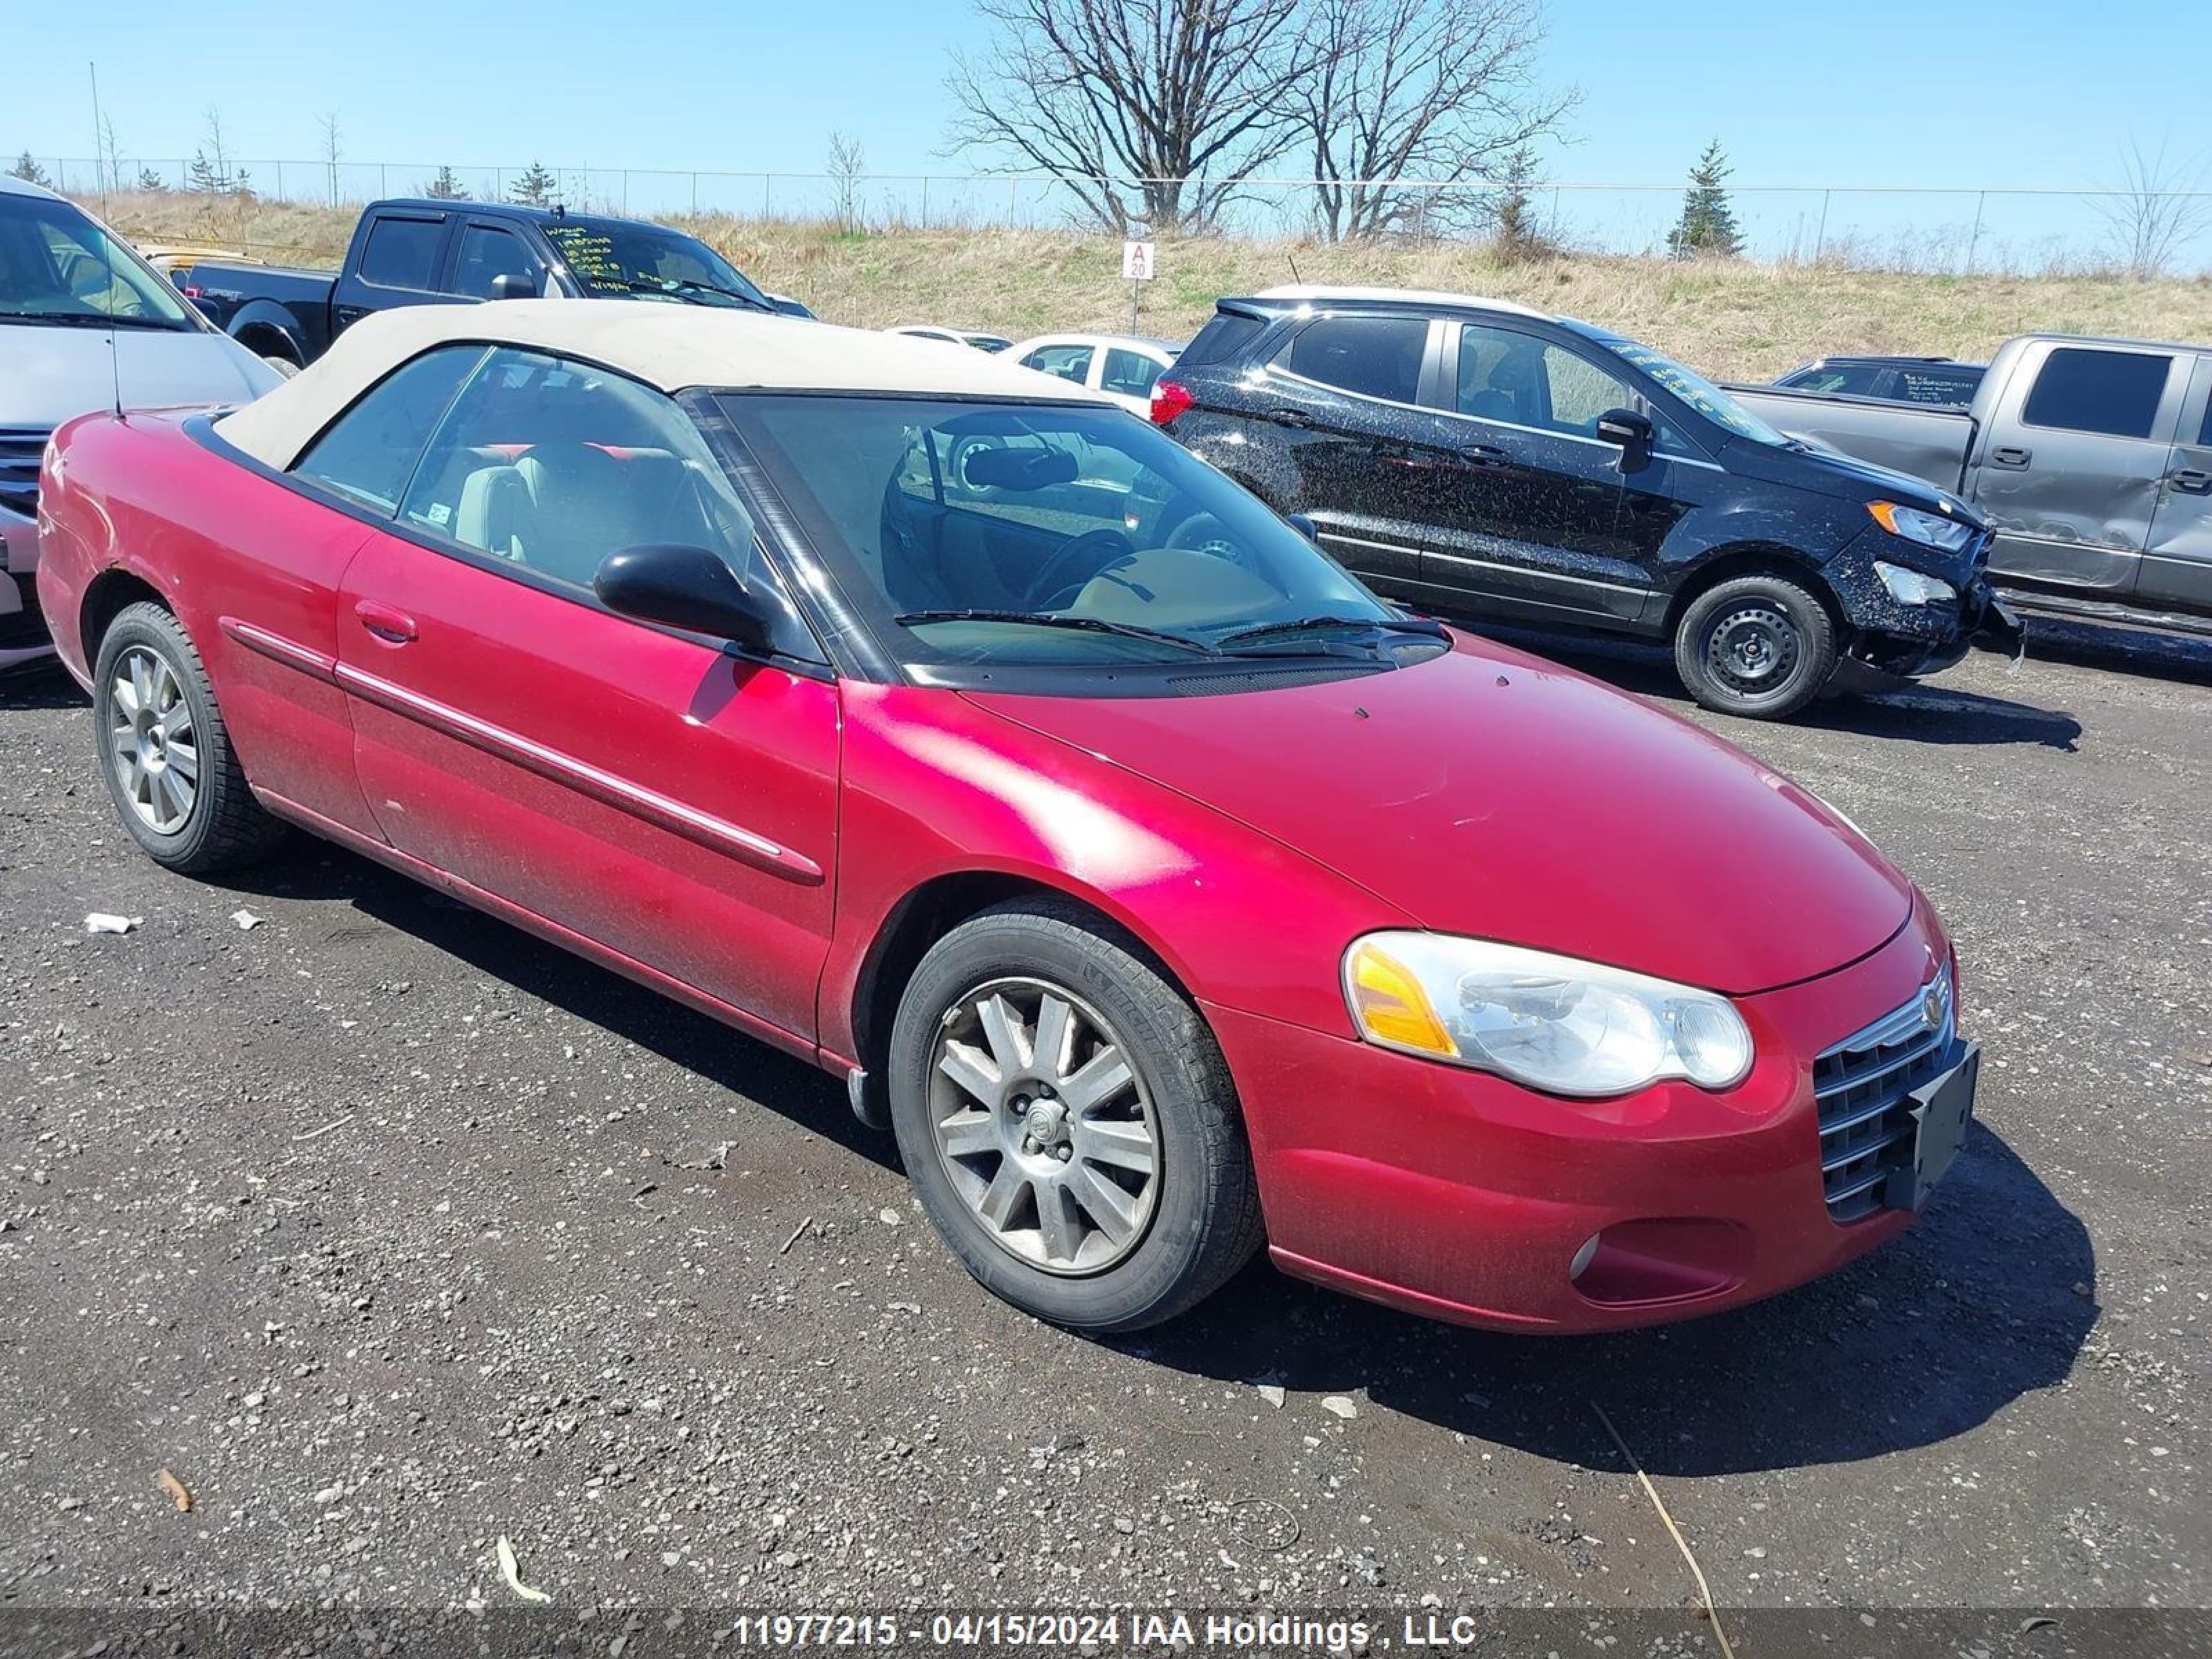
(1169, 400)
(191, 293)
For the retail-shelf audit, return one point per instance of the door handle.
(2194, 480)
(1290, 418)
(392, 627)
(2011, 455)
(1482, 455)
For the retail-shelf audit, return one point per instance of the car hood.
(1491, 793)
(54, 374)
(1827, 471)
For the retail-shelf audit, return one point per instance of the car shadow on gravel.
(40, 685)
(761, 1075)
(1926, 711)
(1990, 1297)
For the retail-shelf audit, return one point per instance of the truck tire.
(1760, 646)
(165, 753)
(1068, 1122)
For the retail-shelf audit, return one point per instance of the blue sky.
(1898, 92)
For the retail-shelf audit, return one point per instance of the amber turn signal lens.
(1390, 1006)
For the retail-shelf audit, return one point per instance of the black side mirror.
(687, 587)
(1633, 431)
(511, 286)
(1305, 527)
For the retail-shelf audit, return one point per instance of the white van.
(85, 324)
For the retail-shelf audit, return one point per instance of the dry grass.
(1732, 320)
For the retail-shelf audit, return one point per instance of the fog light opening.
(1583, 1257)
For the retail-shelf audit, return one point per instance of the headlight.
(1913, 586)
(1929, 529)
(1564, 1026)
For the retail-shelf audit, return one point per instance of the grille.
(1864, 1087)
(20, 449)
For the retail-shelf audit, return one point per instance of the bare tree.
(848, 168)
(1152, 111)
(111, 155)
(1440, 90)
(333, 147)
(211, 171)
(2157, 208)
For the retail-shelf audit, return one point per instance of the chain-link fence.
(2029, 232)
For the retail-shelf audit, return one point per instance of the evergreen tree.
(30, 172)
(151, 181)
(214, 176)
(1513, 225)
(445, 187)
(536, 188)
(1708, 228)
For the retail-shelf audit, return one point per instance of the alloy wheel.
(152, 741)
(1043, 1127)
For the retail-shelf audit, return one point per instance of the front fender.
(936, 786)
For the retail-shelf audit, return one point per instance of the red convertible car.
(943, 724)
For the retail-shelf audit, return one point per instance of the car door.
(402, 260)
(484, 249)
(1543, 525)
(1127, 375)
(1068, 359)
(1371, 464)
(2069, 470)
(2177, 566)
(647, 791)
(280, 689)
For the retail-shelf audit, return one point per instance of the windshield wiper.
(674, 287)
(1054, 619)
(1260, 631)
(89, 319)
(687, 284)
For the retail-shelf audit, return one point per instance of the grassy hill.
(1735, 321)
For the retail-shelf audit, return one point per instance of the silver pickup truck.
(2092, 461)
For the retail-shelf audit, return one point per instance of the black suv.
(1472, 457)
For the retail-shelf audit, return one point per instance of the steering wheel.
(1048, 594)
(1204, 532)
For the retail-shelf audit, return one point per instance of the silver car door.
(2177, 567)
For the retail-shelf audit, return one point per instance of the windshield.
(619, 256)
(1695, 390)
(1043, 534)
(58, 266)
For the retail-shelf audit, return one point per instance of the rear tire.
(1758, 646)
(1102, 1191)
(165, 753)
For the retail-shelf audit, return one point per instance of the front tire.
(1068, 1122)
(165, 752)
(1758, 646)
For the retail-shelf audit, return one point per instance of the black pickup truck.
(435, 252)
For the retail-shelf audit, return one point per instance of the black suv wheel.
(1760, 646)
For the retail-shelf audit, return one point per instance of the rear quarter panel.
(238, 558)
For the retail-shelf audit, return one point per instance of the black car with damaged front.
(1484, 460)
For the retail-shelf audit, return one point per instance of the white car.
(85, 324)
(960, 336)
(1123, 366)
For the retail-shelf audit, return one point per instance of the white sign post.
(1139, 262)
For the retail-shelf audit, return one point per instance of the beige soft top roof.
(673, 347)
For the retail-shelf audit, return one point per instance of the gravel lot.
(389, 1230)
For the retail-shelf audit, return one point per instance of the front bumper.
(1459, 1195)
(1893, 639)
